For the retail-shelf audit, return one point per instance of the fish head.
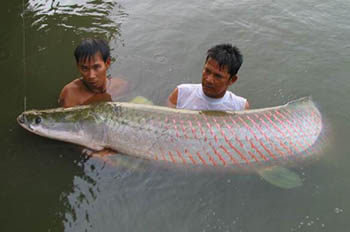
(61, 124)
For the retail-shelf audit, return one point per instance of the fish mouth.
(21, 119)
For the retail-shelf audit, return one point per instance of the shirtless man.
(93, 60)
(219, 72)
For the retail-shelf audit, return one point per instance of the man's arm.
(67, 97)
(247, 106)
(172, 99)
(62, 97)
(118, 88)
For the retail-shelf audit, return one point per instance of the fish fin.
(141, 100)
(114, 159)
(281, 177)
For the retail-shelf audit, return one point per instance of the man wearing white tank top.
(219, 72)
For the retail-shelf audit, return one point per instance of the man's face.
(94, 72)
(215, 81)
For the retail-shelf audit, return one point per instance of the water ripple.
(81, 16)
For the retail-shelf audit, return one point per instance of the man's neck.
(100, 90)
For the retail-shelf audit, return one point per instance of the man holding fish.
(244, 140)
(93, 60)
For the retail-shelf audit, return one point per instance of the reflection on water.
(102, 192)
(81, 16)
(133, 195)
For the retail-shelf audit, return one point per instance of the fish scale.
(240, 139)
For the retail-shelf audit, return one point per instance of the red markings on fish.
(217, 154)
(163, 154)
(172, 157)
(247, 139)
(289, 132)
(201, 158)
(210, 128)
(267, 139)
(175, 127)
(234, 134)
(210, 158)
(284, 135)
(233, 160)
(295, 128)
(183, 129)
(201, 129)
(190, 157)
(276, 136)
(193, 130)
(181, 157)
(256, 139)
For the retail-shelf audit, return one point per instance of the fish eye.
(37, 120)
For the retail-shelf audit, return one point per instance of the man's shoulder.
(237, 102)
(189, 96)
(188, 89)
(75, 84)
(189, 86)
(68, 95)
(234, 96)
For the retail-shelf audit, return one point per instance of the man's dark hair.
(227, 56)
(89, 47)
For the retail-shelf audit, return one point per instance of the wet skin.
(93, 85)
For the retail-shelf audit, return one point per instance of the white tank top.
(191, 96)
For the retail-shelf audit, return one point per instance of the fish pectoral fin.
(281, 177)
(141, 100)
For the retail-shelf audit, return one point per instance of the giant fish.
(240, 139)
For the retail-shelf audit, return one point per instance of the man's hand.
(247, 106)
(102, 153)
(172, 99)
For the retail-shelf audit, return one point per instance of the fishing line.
(24, 57)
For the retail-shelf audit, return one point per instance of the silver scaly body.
(241, 139)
